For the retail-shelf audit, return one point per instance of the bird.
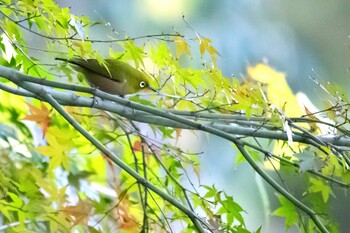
(114, 76)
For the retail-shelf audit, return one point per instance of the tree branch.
(45, 95)
(128, 108)
(71, 99)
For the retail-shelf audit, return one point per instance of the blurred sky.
(301, 38)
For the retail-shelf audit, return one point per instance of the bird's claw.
(94, 99)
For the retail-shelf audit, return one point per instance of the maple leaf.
(181, 46)
(59, 145)
(134, 52)
(137, 146)
(205, 45)
(318, 185)
(125, 220)
(79, 213)
(178, 132)
(286, 210)
(309, 162)
(40, 116)
(196, 170)
(310, 115)
(277, 86)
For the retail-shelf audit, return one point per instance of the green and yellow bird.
(115, 77)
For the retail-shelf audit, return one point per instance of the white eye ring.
(142, 84)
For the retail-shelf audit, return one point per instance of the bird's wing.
(93, 66)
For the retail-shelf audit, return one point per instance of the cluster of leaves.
(50, 185)
(58, 181)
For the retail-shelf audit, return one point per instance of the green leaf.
(161, 54)
(16, 200)
(258, 230)
(231, 209)
(318, 185)
(212, 191)
(240, 158)
(133, 52)
(2, 46)
(287, 210)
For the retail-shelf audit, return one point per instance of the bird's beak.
(152, 89)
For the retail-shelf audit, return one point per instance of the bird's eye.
(143, 84)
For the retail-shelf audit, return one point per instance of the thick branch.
(69, 98)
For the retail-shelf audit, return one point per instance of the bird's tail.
(61, 59)
(76, 62)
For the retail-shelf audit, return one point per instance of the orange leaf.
(137, 146)
(40, 116)
(79, 213)
(125, 220)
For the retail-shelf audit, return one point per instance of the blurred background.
(301, 38)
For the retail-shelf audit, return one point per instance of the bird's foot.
(94, 99)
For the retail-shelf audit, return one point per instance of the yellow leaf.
(44, 183)
(181, 46)
(279, 94)
(98, 164)
(205, 45)
(84, 47)
(63, 136)
(278, 90)
(59, 145)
